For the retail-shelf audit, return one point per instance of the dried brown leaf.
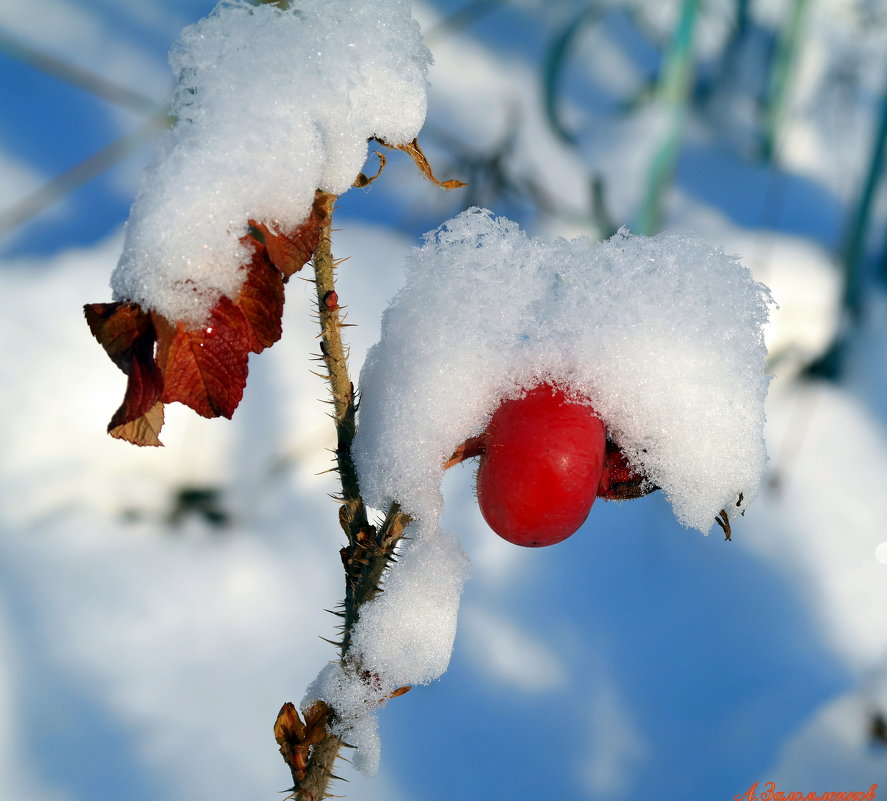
(316, 718)
(413, 150)
(144, 430)
(128, 335)
(363, 179)
(288, 728)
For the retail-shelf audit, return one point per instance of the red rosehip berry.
(541, 466)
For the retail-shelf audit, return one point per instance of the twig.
(42, 197)
(370, 549)
(63, 70)
(674, 94)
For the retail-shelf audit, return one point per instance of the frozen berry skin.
(541, 467)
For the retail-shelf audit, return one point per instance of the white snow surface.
(270, 105)
(662, 335)
(404, 637)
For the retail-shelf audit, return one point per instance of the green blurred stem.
(882, 263)
(742, 16)
(784, 61)
(857, 231)
(555, 63)
(673, 95)
(831, 363)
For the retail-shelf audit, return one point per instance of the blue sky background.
(144, 655)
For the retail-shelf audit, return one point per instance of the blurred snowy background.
(158, 606)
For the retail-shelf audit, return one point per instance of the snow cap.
(662, 335)
(270, 105)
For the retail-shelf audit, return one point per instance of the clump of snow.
(662, 335)
(354, 697)
(406, 634)
(270, 105)
(404, 637)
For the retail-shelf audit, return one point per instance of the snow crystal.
(270, 105)
(662, 335)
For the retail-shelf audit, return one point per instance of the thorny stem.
(352, 514)
(320, 770)
(330, 323)
(370, 549)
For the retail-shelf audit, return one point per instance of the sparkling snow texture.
(662, 335)
(270, 106)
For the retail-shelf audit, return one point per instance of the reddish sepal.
(619, 482)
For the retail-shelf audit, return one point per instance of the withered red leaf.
(205, 368)
(290, 251)
(144, 385)
(119, 327)
(127, 334)
(261, 301)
